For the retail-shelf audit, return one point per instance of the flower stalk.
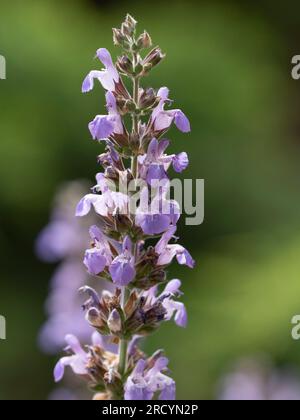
(143, 297)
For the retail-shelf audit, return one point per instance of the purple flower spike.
(122, 268)
(107, 77)
(143, 383)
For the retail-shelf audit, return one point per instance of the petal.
(169, 392)
(152, 152)
(156, 173)
(122, 271)
(104, 56)
(163, 145)
(180, 162)
(163, 121)
(74, 344)
(59, 371)
(95, 261)
(111, 103)
(153, 224)
(165, 239)
(182, 122)
(101, 127)
(184, 257)
(167, 255)
(85, 204)
(173, 286)
(88, 83)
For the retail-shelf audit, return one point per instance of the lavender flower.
(171, 291)
(107, 77)
(122, 268)
(162, 120)
(167, 252)
(105, 125)
(132, 207)
(155, 164)
(143, 383)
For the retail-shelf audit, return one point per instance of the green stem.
(123, 347)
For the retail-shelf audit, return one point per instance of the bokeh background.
(228, 67)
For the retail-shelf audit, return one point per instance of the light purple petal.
(169, 392)
(95, 261)
(122, 271)
(173, 286)
(185, 258)
(153, 224)
(88, 83)
(156, 173)
(85, 204)
(182, 122)
(101, 127)
(180, 162)
(59, 371)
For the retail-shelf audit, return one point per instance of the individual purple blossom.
(98, 257)
(108, 77)
(168, 251)
(143, 382)
(171, 291)
(77, 361)
(104, 126)
(157, 216)
(106, 203)
(122, 269)
(155, 163)
(162, 120)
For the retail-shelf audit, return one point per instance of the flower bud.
(144, 41)
(130, 23)
(124, 64)
(114, 322)
(148, 98)
(119, 38)
(154, 57)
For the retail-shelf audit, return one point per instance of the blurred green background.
(228, 67)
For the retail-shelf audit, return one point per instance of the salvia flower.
(143, 383)
(108, 77)
(155, 163)
(168, 251)
(122, 269)
(167, 297)
(162, 120)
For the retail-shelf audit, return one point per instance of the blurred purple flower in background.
(257, 380)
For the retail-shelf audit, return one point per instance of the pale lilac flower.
(104, 126)
(158, 215)
(167, 252)
(105, 204)
(143, 383)
(171, 291)
(98, 257)
(155, 163)
(122, 269)
(162, 120)
(77, 361)
(108, 77)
